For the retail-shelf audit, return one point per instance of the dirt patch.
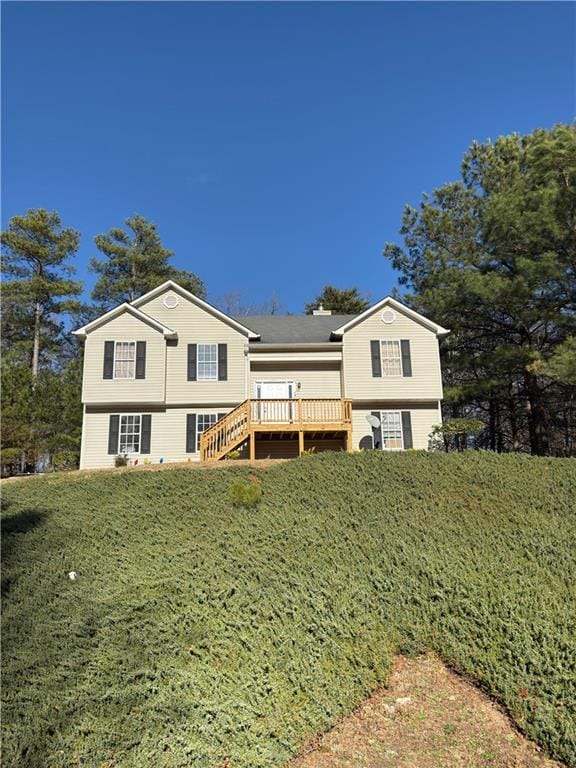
(427, 717)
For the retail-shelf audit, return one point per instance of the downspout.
(82, 439)
(246, 370)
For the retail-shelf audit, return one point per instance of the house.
(169, 378)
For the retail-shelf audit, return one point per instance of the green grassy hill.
(200, 633)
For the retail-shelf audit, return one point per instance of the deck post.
(300, 442)
(349, 440)
(252, 444)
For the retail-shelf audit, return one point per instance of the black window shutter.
(377, 431)
(140, 359)
(376, 358)
(113, 430)
(145, 432)
(406, 359)
(192, 353)
(108, 360)
(407, 429)
(191, 433)
(222, 362)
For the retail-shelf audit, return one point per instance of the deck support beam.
(349, 440)
(300, 442)
(252, 442)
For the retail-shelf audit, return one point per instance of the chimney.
(321, 311)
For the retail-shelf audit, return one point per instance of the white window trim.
(132, 453)
(384, 376)
(124, 378)
(206, 344)
(198, 432)
(401, 431)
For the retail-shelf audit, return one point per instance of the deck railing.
(271, 414)
(300, 411)
(225, 434)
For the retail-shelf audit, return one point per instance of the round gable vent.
(170, 301)
(388, 316)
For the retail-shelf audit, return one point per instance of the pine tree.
(562, 364)
(41, 409)
(134, 263)
(38, 291)
(341, 301)
(493, 257)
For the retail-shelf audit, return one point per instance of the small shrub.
(11, 459)
(233, 455)
(65, 460)
(455, 434)
(245, 494)
(121, 461)
(309, 451)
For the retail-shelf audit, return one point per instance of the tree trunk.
(133, 292)
(537, 417)
(492, 423)
(36, 347)
(513, 423)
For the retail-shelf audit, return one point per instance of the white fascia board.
(103, 319)
(292, 346)
(200, 302)
(389, 301)
(275, 357)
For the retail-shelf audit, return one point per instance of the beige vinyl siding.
(125, 327)
(423, 417)
(316, 379)
(425, 382)
(195, 325)
(167, 437)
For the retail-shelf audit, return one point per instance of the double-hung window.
(205, 420)
(391, 423)
(129, 441)
(207, 362)
(125, 360)
(391, 357)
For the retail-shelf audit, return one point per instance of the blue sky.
(275, 144)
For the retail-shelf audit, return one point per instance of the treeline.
(491, 256)
(41, 303)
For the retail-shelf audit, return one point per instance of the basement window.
(204, 420)
(392, 438)
(129, 441)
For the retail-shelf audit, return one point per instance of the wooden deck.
(296, 416)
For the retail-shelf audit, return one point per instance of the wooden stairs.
(288, 415)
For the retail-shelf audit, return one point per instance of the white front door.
(276, 391)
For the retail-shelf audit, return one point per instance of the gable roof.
(170, 284)
(269, 329)
(293, 329)
(389, 301)
(119, 310)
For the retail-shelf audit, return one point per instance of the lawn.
(204, 634)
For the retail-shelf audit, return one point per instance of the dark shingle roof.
(293, 329)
